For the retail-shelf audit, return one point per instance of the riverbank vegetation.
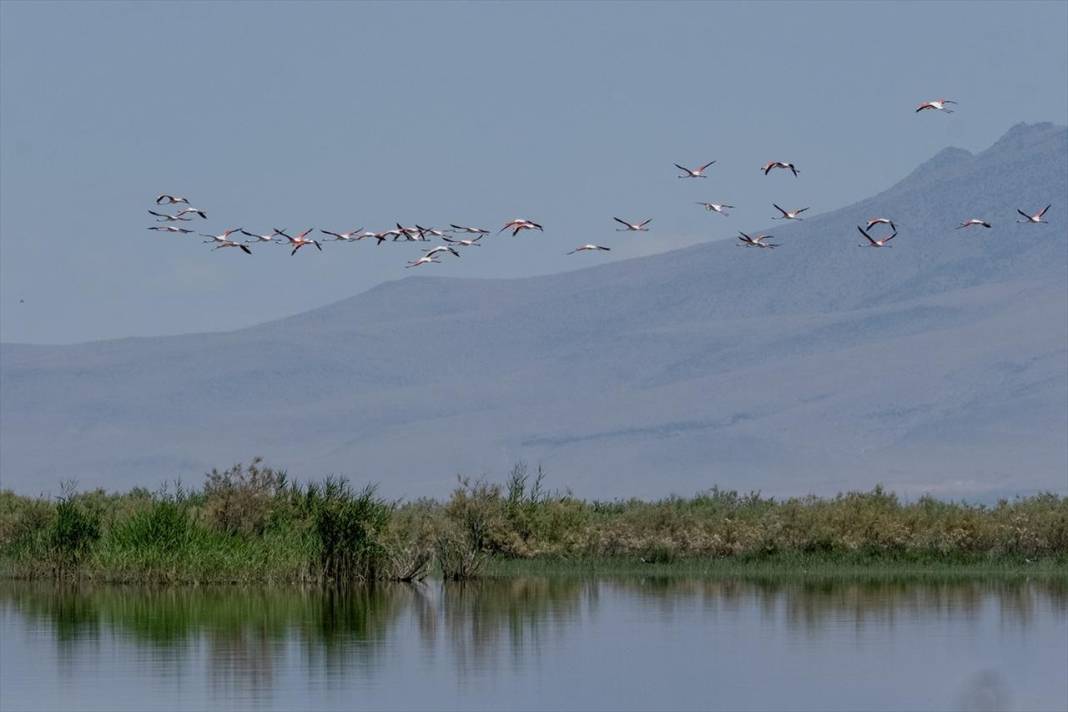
(253, 523)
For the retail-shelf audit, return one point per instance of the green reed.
(253, 523)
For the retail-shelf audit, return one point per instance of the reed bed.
(254, 524)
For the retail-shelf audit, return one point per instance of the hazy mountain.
(939, 365)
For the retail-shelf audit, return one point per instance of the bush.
(73, 532)
(349, 527)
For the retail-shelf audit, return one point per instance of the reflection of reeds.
(255, 524)
(246, 631)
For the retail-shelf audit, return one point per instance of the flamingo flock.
(171, 222)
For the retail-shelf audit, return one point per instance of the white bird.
(587, 248)
(520, 224)
(876, 243)
(231, 243)
(872, 222)
(381, 236)
(225, 237)
(171, 228)
(636, 227)
(973, 222)
(755, 241)
(472, 242)
(767, 167)
(470, 230)
(439, 249)
(695, 172)
(198, 211)
(716, 207)
(424, 231)
(163, 217)
(937, 105)
(424, 260)
(789, 214)
(170, 200)
(263, 238)
(343, 236)
(300, 240)
(1036, 218)
(413, 234)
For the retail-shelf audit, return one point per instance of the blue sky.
(342, 115)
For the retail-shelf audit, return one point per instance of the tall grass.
(253, 523)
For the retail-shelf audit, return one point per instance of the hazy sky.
(358, 115)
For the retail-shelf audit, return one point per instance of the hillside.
(938, 365)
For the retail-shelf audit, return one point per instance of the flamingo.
(472, 242)
(198, 211)
(588, 248)
(872, 222)
(716, 207)
(343, 236)
(694, 173)
(439, 249)
(520, 224)
(263, 238)
(230, 243)
(973, 222)
(225, 237)
(424, 260)
(1036, 218)
(767, 167)
(163, 217)
(413, 234)
(937, 105)
(789, 214)
(470, 230)
(876, 243)
(755, 241)
(424, 231)
(637, 227)
(170, 200)
(300, 240)
(170, 228)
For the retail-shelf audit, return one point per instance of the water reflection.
(241, 643)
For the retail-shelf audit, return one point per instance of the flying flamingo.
(937, 105)
(300, 240)
(424, 260)
(170, 228)
(263, 238)
(170, 200)
(789, 214)
(973, 222)
(439, 249)
(1036, 218)
(872, 222)
(433, 232)
(472, 242)
(163, 217)
(755, 241)
(343, 236)
(876, 243)
(694, 173)
(767, 167)
(198, 211)
(520, 224)
(225, 237)
(637, 227)
(470, 230)
(230, 243)
(716, 207)
(586, 248)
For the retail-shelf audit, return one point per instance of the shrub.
(349, 527)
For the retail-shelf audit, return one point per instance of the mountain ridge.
(814, 367)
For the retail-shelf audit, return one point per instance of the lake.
(539, 643)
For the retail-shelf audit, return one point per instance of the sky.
(344, 115)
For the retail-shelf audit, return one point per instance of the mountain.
(940, 365)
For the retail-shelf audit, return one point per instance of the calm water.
(632, 643)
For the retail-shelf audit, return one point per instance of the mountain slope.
(938, 365)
